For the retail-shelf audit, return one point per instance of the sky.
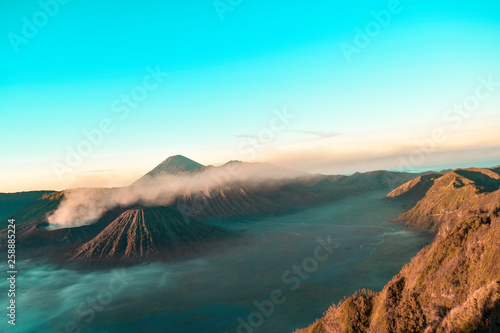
(98, 93)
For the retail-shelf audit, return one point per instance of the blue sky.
(227, 77)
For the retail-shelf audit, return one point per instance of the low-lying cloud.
(84, 206)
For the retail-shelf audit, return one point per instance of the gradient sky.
(227, 79)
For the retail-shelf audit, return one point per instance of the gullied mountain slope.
(146, 233)
(239, 199)
(452, 285)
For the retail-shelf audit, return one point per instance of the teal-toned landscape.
(237, 166)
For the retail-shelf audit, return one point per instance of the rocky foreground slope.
(453, 284)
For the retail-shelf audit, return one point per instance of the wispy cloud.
(311, 135)
(96, 171)
(317, 134)
(83, 206)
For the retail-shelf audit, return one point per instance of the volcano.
(173, 165)
(148, 233)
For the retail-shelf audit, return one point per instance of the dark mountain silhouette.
(36, 209)
(243, 199)
(11, 202)
(377, 179)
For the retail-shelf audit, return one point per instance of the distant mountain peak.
(173, 165)
(233, 162)
(179, 161)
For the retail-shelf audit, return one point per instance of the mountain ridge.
(451, 196)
